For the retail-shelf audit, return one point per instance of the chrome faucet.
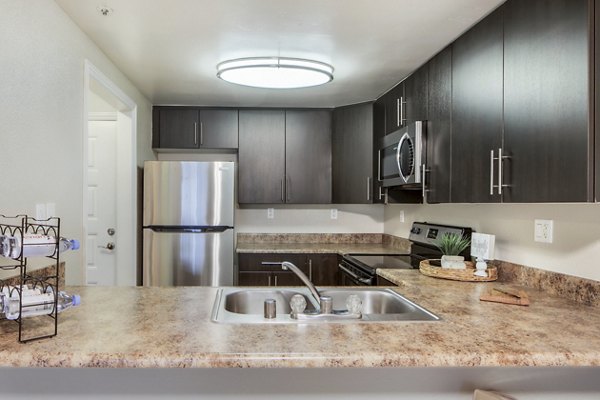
(313, 290)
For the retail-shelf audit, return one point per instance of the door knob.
(109, 246)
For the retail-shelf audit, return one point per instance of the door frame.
(126, 241)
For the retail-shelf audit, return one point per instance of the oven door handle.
(354, 276)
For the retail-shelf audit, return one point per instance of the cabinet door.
(255, 278)
(177, 128)
(323, 269)
(394, 108)
(439, 128)
(477, 60)
(261, 156)
(415, 91)
(218, 129)
(384, 282)
(546, 104)
(308, 156)
(353, 154)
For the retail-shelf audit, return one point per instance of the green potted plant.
(451, 245)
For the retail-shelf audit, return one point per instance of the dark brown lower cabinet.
(384, 282)
(252, 270)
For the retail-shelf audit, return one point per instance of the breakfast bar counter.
(140, 327)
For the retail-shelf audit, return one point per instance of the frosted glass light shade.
(275, 72)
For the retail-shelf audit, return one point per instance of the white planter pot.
(453, 262)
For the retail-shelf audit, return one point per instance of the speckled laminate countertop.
(171, 327)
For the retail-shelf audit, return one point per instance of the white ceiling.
(169, 48)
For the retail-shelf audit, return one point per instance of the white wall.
(576, 246)
(41, 109)
(311, 219)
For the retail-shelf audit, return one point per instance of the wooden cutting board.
(506, 296)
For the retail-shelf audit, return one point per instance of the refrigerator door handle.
(188, 229)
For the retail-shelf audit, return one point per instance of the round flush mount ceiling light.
(275, 72)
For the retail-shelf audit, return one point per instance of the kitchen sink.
(246, 305)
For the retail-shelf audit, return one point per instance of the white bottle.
(36, 245)
(37, 304)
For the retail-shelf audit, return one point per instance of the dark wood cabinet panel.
(254, 278)
(477, 100)
(393, 104)
(261, 156)
(177, 128)
(252, 271)
(323, 269)
(384, 282)
(546, 103)
(194, 128)
(416, 94)
(353, 154)
(218, 128)
(439, 129)
(308, 156)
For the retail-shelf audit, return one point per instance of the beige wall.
(576, 246)
(41, 109)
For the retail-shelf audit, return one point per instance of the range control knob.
(415, 230)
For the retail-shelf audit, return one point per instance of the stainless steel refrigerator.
(188, 223)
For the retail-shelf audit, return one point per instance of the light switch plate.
(270, 213)
(401, 216)
(40, 212)
(544, 230)
(334, 213)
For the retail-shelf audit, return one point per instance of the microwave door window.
(406, 159)
(389, 166)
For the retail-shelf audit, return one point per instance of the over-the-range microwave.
(402, 156)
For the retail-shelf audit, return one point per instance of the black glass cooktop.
(375, 261)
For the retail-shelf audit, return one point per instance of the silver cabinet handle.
(368, 188)
(381, 192)
(402, 119)
(379, 166)
(310, 269)
(276, 281)
(201, 134)
(282, 192)
(195, 133)
(492, 172)
(269, 280)
(500, 171)
(398, 112)
(424, 190)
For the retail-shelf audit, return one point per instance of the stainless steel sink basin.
(251, 301)
(245, 305)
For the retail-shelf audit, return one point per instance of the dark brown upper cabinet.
(477, 101)
(308, 156)
(439, 129)
(394, 107)
(284, 156)
(261, 157)
(415, 95)
(547, 92)
(353, 154)
(194, 128)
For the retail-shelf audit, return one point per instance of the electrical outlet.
(270, 213)
(333, 214)
(40, 212)
(544, 230)
(401, 217)
(50, 210)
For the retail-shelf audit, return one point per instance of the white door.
(101, 193)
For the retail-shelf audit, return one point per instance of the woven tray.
(465, 275)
